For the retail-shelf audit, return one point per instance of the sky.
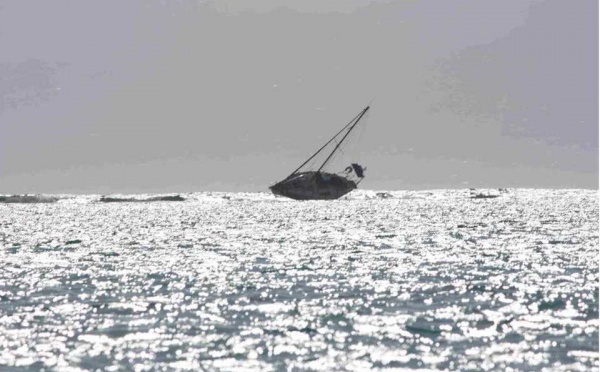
(184, 96)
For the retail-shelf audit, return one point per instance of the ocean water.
(406, 280)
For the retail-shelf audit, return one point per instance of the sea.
(394, 281)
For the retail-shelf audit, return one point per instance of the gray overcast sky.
(175, 96)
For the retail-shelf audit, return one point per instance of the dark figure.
(359, 170)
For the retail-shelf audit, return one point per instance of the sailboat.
(319, 184)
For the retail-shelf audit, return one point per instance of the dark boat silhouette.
(318, 184)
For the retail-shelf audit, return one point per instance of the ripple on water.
(421, 280)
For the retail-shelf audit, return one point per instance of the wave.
(111, 199)
(28, 199)
(237, 197)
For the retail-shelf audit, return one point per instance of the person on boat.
(359, 170)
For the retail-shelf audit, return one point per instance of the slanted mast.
(319, 185)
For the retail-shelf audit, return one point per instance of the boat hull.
(314, 186)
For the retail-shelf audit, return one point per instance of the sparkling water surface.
(427, 280)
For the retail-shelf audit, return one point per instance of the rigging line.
(363, 112)
(328, 142)
(361, 131)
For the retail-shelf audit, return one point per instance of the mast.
(357, 119)
(354, 120)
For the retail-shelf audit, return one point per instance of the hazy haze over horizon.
(152, 96)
